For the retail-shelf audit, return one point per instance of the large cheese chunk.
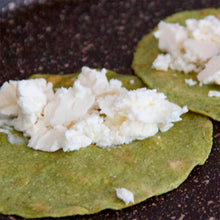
(171, 37)
(199, 51)
(211, 73)
(8, 104)
(69, 105)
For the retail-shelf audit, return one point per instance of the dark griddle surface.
(60, 37)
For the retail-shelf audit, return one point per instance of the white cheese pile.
(93, 111)
(125, 195)
(189, 48)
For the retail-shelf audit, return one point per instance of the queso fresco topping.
(92, 111)
(194, 47)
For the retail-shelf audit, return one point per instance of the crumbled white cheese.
(198, 51)
(189, 48)
(77, 101)
(12, 138)
(23, 101)
(162, 62)
(92, 111)
(190, 82)
(213, 93)
(171, 37)
(94, 80)
(131, 81)
(125, 195)
(207, 29)
(8, 104)
(211, 73)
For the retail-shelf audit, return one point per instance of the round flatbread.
(171, 82)
(39, 184)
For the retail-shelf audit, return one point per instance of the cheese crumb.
(131, 81)
(162, 62)
(189, 48)
(92, 111)
(12, 138)
(190, 82)
(213, 93)
(125, 195)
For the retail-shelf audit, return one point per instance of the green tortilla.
(39, 184)
(171, 82)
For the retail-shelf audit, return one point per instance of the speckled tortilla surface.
(39, 184)
(172, 82)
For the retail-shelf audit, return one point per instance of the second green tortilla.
(39, 184)
(172, 83)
